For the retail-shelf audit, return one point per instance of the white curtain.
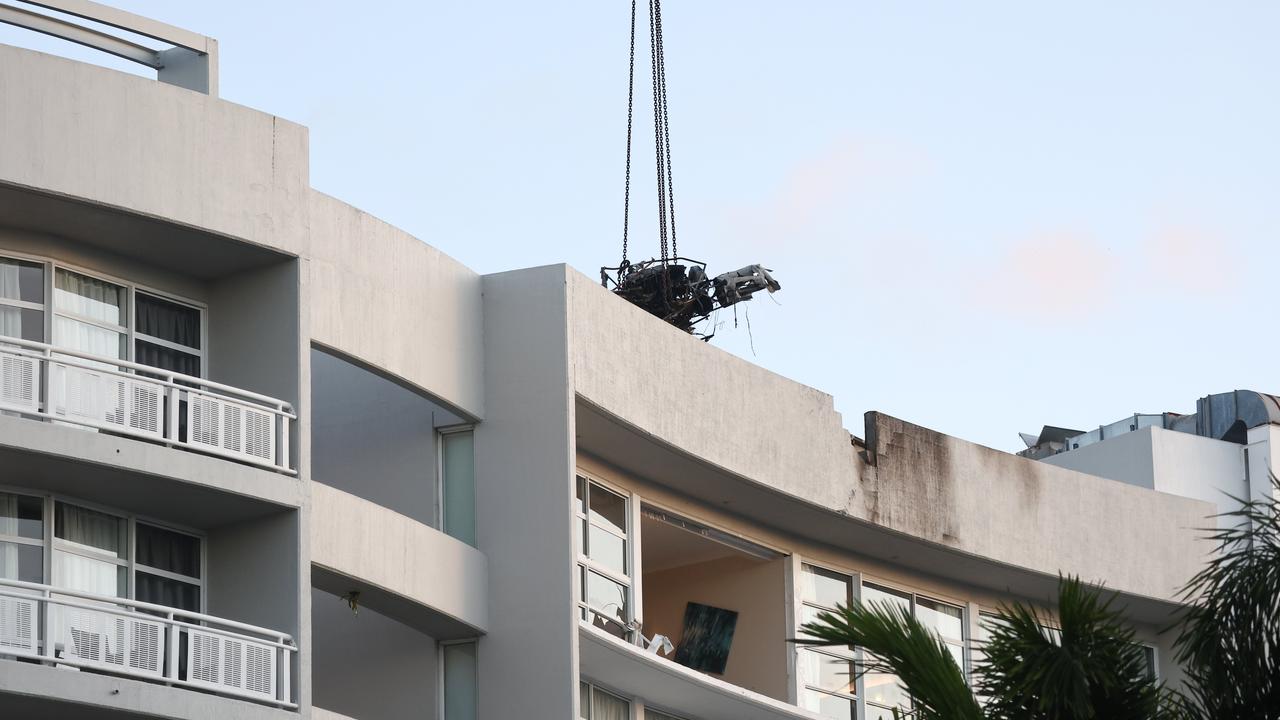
(90, 297)
(76, 335)
(90, 529)
(8, 526)
(10, 317)
(607, 707)
(76, 572)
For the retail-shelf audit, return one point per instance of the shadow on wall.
(375, 438)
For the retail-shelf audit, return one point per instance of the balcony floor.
(36, 692)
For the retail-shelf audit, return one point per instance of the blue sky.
(986, 216)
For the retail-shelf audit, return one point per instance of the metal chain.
(631, 95)
(657, 130)
(660, 79)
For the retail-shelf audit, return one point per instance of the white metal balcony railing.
(144, 402)
(145, 641)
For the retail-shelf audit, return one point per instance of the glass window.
(167, 550)
(167, 334)
(152, 588)
(607, 706)
(20, 561)
(608, 510)
(89, 530)
(824, 587)
(22, 299)
(89, 314)
(167, 320)
(946, 620)
(885, 596)
(605, 573)
(458, 485)
(21, 516)
(21, 280)
(89, 297)
(607, 549)
(821, 671)
(832, 706)
(21, 323)
(90, 551)
(608, 598)
(461, 681)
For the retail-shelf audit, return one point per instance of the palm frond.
(1090, 667)
(898, 643)
(1229, 642)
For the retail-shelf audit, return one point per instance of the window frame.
(441, 503)
(592, 689)
(49, 308)
(913, 597)
(853, 655)
(581, 532)
(50, 543)
(440, 676)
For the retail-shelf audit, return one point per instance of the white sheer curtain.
(95, 532)
(91, 298)
(608, 707)
(8, 526)
(10, 317)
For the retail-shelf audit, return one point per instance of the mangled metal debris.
(679, 291)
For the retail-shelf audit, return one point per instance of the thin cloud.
(1051, 275)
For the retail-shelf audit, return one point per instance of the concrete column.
(524, 497)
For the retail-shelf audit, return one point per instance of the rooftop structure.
(263, 455)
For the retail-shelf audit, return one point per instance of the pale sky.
(986, 216)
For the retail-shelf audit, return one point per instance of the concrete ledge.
(403, 569)
(113, 469)
(625, 668)
(28, 690)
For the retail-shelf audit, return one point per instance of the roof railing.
(191, 62)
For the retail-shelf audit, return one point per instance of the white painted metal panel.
(109, 640)
(20, 382)
(19, 626)
(231, 427)
(222, 662)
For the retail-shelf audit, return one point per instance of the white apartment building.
(263, 455)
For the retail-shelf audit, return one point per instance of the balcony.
(40, 381)
(144, 641)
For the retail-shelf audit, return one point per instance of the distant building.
(1221, 453)
(263, 455)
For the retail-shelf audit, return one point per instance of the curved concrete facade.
(559, 385)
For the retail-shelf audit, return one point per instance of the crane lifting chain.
(673, 288)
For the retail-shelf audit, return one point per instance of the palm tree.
(1229, 643)
(1090, 666)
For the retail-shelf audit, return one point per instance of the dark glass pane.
(608, 509)
(166, 358)
(21, 280)
(168, 320)
(22, 323)
(163, 591)
(21, 562)
(167, 550)
(21, 516)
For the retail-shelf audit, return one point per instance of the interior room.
(721, 600)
